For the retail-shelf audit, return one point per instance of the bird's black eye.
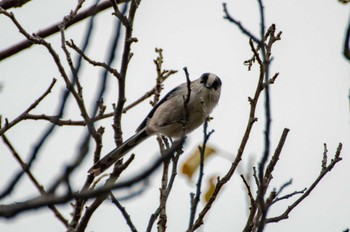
(204, 78)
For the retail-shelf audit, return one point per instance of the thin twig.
(12, 210)
(168, 189)
(221, 182)
(346, 46)
(36, 183)
(43, 33)
(98, 109)
(195, 198)
(124, 213)
(24, 115)
(239, 25)
(333, 162)
(100, 198)
(113, 71)
(162, 222)
(324, 159)
(7, 4)
(126, 56)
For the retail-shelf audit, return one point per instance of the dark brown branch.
(124, 213)
(14, 49)
(12, 210)
(288, 196)
(324, 159)
(113, 71)
(270, 167)
(163, 218)
(24, 115)
(249, 192)
(346, 47)
(36, 183)
(55, 120)
(240, 26)
(221, 182)
(123, 19)
(333, 162)
(264, 205)
(100, 198)
(195, 198)
(69, 122)
(163, 142)
(167, 188)
(258, 210)
(126, 56)
(7, 4)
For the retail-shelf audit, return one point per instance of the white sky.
(310, 97)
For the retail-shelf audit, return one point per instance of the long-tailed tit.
(171, 116)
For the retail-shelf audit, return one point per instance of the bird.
(171, 116)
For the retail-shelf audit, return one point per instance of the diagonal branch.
(7, 4)
(240, 26)
(33, 179)
(324, 171)
(23, 116)
(43, 33)
(195, 198)
(12, 210)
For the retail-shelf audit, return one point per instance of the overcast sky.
(310, 97)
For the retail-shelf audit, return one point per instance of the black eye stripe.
(214, 81)
(204, 78)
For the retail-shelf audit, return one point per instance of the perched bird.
(171, 116)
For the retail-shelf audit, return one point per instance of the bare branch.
(124, 213)
(113, 71)
(333, 162)
(118, 169)
(43, 33)
(249, 192)
(288, 196)
(126, 56)
(221, 182)
(36, 183)
(7, 4)
(324, 160)
(13, 209)
(196, 197)
(346, 47)
(24, 115)
(239, 25)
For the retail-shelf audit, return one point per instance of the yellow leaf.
(193, 161)
(211, 188)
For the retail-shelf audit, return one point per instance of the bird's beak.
(208, 86)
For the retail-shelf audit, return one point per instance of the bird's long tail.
(118, 153)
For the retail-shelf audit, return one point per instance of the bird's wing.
(169, 95)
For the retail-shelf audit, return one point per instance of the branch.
(119, 168)
(124, 213)
(322, 174)
(40, 188)
(264, 205)
(43, 33)
(61, 109)
(24, 115)
(346, 47)
(221, 182)
(240, 26)
(126, 56)
(113, 71)
(12, 210)
(195, 198)
(7, 4)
